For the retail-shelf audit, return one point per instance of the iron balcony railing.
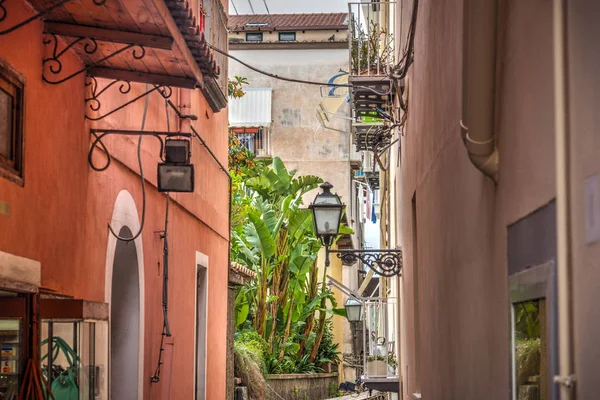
(371, 37)
(380, 332)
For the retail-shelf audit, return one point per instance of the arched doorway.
(125, 295)
(125, 320)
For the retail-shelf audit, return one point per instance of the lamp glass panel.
(327, 220)
(175, 178)
(353, 310)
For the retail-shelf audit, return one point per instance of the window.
(254, 37)
(287, 36)
(254, 139)
(11, 129)
(201, 350)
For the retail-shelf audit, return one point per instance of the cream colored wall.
(301, 36)
(462, 216)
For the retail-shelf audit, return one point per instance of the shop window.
(534, 333)
(10, 360)
(14, 339)
(11, 125)
(74, 348)
(254, 37)
(287, 36)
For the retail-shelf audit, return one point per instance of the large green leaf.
(282, 174)
(259, 236)
(305, 183)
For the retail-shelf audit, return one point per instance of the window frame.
(13, 83)
(248, 34)
(287, 33)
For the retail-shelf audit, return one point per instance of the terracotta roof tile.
(240, 269)
(283, 22)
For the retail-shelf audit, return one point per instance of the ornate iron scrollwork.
(4, 13)
(386, 263)
(52, 65)
(94, 104)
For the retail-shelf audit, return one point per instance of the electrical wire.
(234, 8)
(255, 69)
(251, 8)
(269, 13)
(139, 155)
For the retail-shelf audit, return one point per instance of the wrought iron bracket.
(4, 14)
(93, 102)
(52, 65)
(384, 262)
(99, 134)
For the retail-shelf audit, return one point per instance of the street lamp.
(327, 214)
(353, 308)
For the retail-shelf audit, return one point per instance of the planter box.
(301, 386)
(376, 368)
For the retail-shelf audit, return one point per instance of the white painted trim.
(20, 269)
(201, 262)
(125, 214)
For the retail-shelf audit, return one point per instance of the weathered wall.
(300, 386)
(60, 216)
(296, 135)
(455, 302)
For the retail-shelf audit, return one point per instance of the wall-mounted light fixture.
(176, 174)
(327, 215)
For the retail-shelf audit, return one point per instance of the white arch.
(125, 214)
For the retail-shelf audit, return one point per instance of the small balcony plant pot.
(376, 367)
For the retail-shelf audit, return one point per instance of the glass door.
(12, 351)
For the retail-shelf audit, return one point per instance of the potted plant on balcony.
(377, 365)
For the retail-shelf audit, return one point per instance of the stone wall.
(301, 386)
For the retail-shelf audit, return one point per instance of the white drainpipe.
(479, 78)
(566, 376)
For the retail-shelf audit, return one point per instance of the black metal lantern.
(327, 214)
(176, 174)
(354, 309)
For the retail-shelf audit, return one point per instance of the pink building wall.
(59, 217)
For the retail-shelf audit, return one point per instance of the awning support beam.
(108, 35)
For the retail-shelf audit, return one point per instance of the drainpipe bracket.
(566, 381)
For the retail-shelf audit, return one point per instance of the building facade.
(64, 77)
(306, 125)
(497, 198)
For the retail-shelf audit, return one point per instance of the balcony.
(371, 49)
(380, 363)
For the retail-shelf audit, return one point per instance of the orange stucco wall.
(59, 217)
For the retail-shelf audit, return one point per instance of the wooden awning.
(151, 41)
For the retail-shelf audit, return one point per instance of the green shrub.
(528, 359)
(249, 367)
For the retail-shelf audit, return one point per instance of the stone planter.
(300, 386)
(376, 368)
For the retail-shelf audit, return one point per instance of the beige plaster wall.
(297, 137)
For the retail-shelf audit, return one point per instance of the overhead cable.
(293, 79)
(269, 12)
(251, 8)
(234, 8)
